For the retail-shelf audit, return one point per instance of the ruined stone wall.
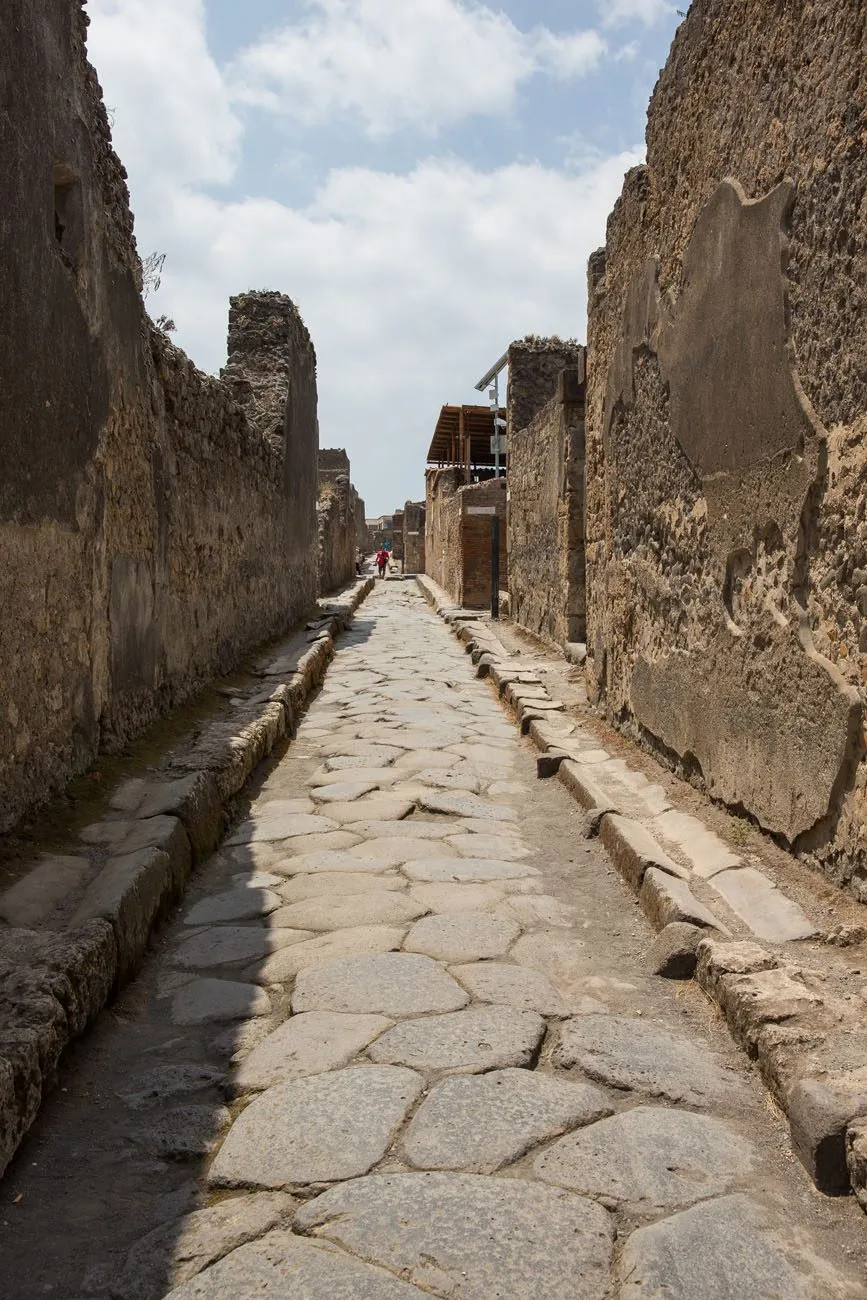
(535, 365)
(546, 516)
(726, 422)
(457, 544)
(360, 525)
(150, 534)
(397, 536)
(413, 537)
(336, 521)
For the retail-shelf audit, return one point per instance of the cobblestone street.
(401, 1041)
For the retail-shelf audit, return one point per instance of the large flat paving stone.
(536, 911)
(280, 826)
(234, 905)
(285, 965)
(330, 860)
(384, 907)
(478, 1123)
(467, 805)
(342, 791)
(323, 842)
(725, 1249)
(506, 848)
(462, 936)
(511, 986)
(395, 850)
(634, 1054)
(558, 955)
(445, 898)
(470, 1237)
(389, 984)
(328, 884)
(316, 1130)
(420, 759)
(312, 1043)
(384, 807)
(478, 1038)
(233, 945)
(756, 900)
(205, 1000)
(287, 1267)
(649, 1158)
(414, 828)
(181, 1248)
(471, 870)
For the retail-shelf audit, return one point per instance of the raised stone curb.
(55, 983)
(783, 1019)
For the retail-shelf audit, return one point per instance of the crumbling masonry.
(155, 523)
(726, 423)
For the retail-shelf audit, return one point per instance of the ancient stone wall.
(336, 520)
(413, 537)
(546, 516)
(726, 423)
(534, 369)
(360, 525)
(150, 533)
(457, 543)
(397, 535)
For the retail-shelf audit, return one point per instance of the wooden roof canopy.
(463, 437)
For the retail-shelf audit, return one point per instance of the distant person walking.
(382, 561)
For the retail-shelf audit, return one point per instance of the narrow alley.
(400, 1040)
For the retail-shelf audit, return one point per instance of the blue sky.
(425, 178)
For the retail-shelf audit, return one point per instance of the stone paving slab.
(462, 936)
(311, 1043)
(511, 986)
(317, 950)
(395, 851)
(445, 898)
(381, 908)
(316, 1130)
(470, 870)
(478, 1123)
(233, 945)
(288, 1267)
(281, 826)
(470, 1237)
(726, 1249)
(391, 984)
(327, 884)
(234, 905)
(205, 1000)
(634, 1054)
(410, 828)
(489, 846)
(345, 791)
(478, 1038)
(467, 805)
(650, 1159)
(331, 860)
(768, 912)
(383, 807)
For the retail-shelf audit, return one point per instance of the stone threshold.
(56, 979)
(807, 1040)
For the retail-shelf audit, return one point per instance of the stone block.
(131, 892)
(584, 787)
(664, 899)
(820, 1111)
(673, 953)
(633, 849)
(856, 1159)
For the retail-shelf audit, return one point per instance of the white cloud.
(410, 285)
(390, 63)
(173, 118)
(617, 12)
(411, 282)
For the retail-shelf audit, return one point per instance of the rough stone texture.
(649, 1159)
(233, 945)
(674, 952)
(286, 1265)
(413, 537)
(479, 1123)
(470, 1237)
(391, 984)
(856, 1159)
(235, 905)
(176, 1251)
(721, 1251)
(665, 899)
(201, 1001)
(30, 900)
(145, 517)
(511, 986)
(316, 1130)
(377, 908)
(820, 1112)
(468, 870)
(181, 1132)
(307, 1044)
(726, 412)
(635, 1055)
(462, 936)
(336, 510)
(769, 914)
(357, 939)
(546, 510)
(458, 544)
(480, 1038)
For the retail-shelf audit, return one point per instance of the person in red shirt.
(382, 561)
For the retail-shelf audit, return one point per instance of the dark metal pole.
(495, 566)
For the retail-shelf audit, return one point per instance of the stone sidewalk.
(405, 1042)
